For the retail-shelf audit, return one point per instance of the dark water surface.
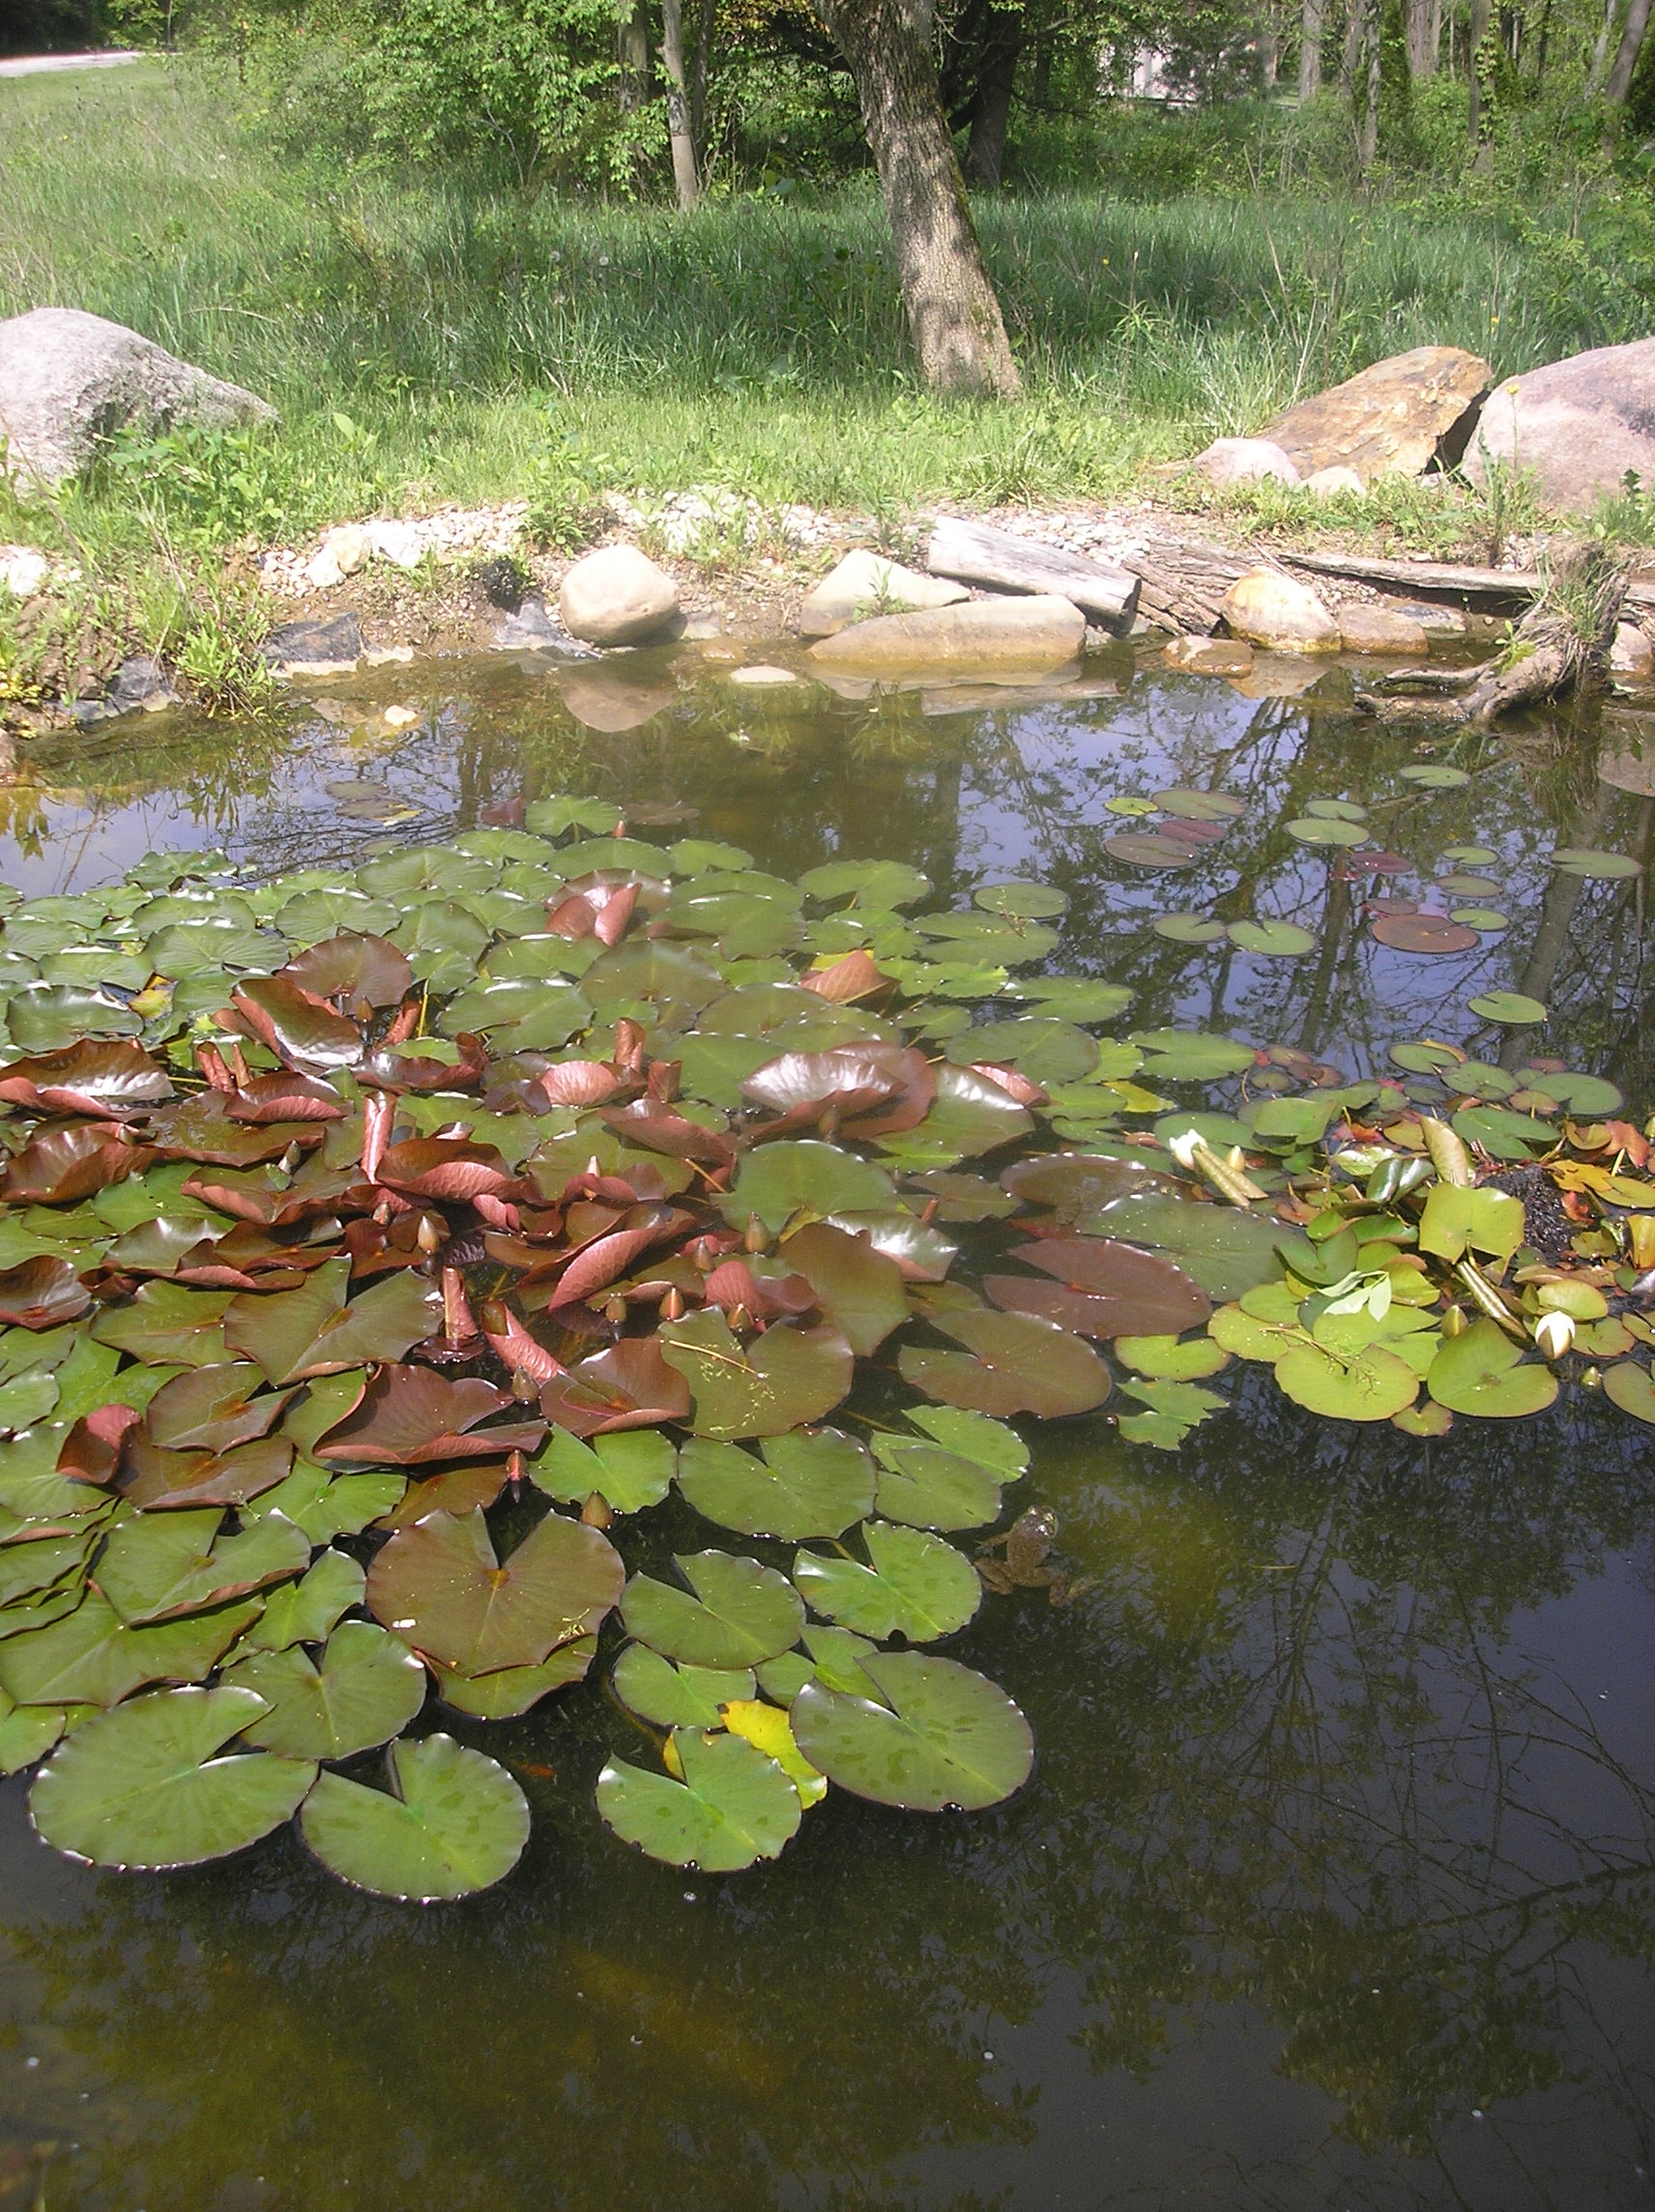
(1333, 1885)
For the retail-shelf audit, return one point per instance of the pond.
(1332, 1882)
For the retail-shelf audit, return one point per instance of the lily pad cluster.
(375, 1250)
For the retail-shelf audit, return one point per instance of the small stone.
(533, 629)
(387, 656)
(397, 543)
(1329, 483)
(721, 651)
(1380, 630)
(331, 647)
(761, 675)
(1436, 621)
(616, 596)
(341, 553)
(1032, 635)
(22, 571)
(865, 584)
(1209, 655)
(1245, 460)
(1631, 656)
(400, 718)
(1269, 609)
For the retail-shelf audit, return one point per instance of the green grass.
(427, 340)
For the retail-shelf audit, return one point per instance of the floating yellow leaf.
(767, 1729)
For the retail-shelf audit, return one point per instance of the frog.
(1017, 1560)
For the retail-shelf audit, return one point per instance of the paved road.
(38, 65)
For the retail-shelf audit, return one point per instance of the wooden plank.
(973, 553)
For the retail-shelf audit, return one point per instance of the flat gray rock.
(535, 630)
(330, 648)
(1579, 424)
(68, 379)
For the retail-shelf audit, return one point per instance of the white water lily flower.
(1555, 1333)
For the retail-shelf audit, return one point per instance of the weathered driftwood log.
(975, 554)
(1427, 579)
(1561, 645)
(1181, 587)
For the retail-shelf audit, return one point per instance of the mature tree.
(953, 315)
(681, 127)
(1620, 76)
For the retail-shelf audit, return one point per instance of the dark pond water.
(1333, 1885)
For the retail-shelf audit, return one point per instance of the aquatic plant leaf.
(1511, 1007)
(628, 1387)
(1272, 939)
(806, 1484)
(86, 1078)
(832, 1656)
(211, 1408)
(779, 1381)
(408, 1416)
(732, 1807)
(1078, 1186)
(27, 1732)
(298, 1028)
(313, 1330)
(1027, 902)
(1013, 1363)
(1454, 1219)
(925, 1486)
(946, 1737)
(866, 883)
(917, 1585)
(1319, 830)
(985, 1443)
(1370, 1386)
(1630, 1386)
(630, 1470)
(55, 1017)
(1434, 776)
(160, 1565)
(306, 1611)
(70, 1161)
(1191, 1056)
(440, 1588)
(143, 1787)
(1505, 1135)
(42, 1294)
(1482, 1371)
(670, 1695)
(453, 1822)
(360, 970)
(807, 1179)
(365, 1689)
(508, 1691)
(1223, 1249)
(166, 1325)
(740, 1613)
(1189, 928)
(1149, 849)
(1595, 866)
(859, 1287)
(1165, 1359)
(1128, 1291)
(1429, 933)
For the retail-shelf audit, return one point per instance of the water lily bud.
(739, 1319)
(430, 1234)
(615, 1308)
(1555, 1333)
(524, 1389)
(595, 1511)
(755, 1240)
(1182, 1148)
(1454, 1322)
(672, 1305)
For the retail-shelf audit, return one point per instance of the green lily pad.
(306, 1610)
(1191, 1056)
(365, 1689)
(143, 1787)
(1027, 902)
(917, 1585)
(671, 1696)
(1370, 1386)
(1013, 1363)
(860, 1289)
(313, 1330)
(806, 1484)
(733, 1806)
(1595, 867)
(630, 1470)
(925, 1485)
(1171, 1359)
(740, 1612)
(160, 1565)
(1514, 1008)
(1272, 939)
(805, 1180)
(1631, 1387)
(440, 1587)
(508, 1691)
(945, 1737)
(1224, 1250)
(1189, 928)
(785, 1378)
(1435, 775)
(1482, 1371)
(453, 1822)
(1319, 829)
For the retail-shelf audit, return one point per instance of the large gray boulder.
(1580, 423)
(68, 379)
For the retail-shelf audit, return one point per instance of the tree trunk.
(697, 84)
(990, 106)
(1368, 132)
(633, 52)
(1269, 49)
(686, 176)
(1600, 51)
(1351, 53)
(1310, 50)
(1476, 39)
(1626, 60)
(1422, 35)
(953, 313)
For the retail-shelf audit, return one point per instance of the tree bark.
(1626, 59)
(633, 52)
(1269, 46)
(999, 52)
(1368, 136)
(1476, 39)
(1422, 36)
(698, 85)
(1310, 50)
(1600, 51)
(686, 175)
(953, 315)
